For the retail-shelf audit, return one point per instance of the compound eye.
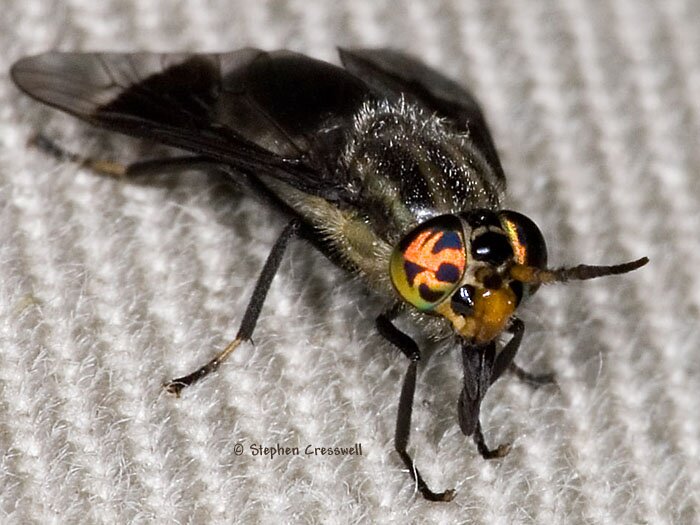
(429, 262)
(526, 239)
(529, 248)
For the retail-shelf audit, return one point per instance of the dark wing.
(281, 113)
(392, 73)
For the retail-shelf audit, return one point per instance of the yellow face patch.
(492, 311)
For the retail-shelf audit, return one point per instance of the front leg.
(500, 451)
(504, 360)
(403, 421)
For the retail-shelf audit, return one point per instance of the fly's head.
(458, 266)
(475, 268)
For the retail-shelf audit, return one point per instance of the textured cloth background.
(109, 288)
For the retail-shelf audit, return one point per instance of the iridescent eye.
(528, 244)
(429, 262)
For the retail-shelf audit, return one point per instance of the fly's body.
(401, 166)
(384, 165)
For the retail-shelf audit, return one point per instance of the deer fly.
(384, 165)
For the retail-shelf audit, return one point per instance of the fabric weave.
(107, 288)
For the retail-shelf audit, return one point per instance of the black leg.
(504, 360)
(250, 317)
(403, 422)
(505, 357)
(487, 453)
(536, 380)
(118, 170)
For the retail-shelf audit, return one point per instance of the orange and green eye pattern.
(429, 262)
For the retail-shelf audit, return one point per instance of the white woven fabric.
(108, 288)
